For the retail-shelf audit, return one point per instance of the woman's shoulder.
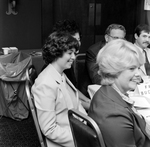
(47, 79)
(102, 92)
(107, 98)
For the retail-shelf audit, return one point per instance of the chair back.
(31, 74)
(32, 107)
(81, 73)
(86, 132)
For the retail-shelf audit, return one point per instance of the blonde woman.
(119, 62)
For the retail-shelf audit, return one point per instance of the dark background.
(33, 23)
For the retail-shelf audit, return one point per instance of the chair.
(13, 100)
(30, 97)
(86, 132)
(81, 73)
(31, 74)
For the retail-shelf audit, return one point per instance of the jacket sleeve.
(45, 100)
(92, 67)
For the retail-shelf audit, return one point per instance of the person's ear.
(135, 36)
(106, 37)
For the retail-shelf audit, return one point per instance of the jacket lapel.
(75, 104)
(72, 86)
(66, 96)
(141, 122)
(58, 78)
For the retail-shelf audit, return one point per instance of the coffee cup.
(6, 50)
(13, 49)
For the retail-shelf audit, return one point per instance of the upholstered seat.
(81, 73)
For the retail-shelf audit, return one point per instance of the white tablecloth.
(92, 89)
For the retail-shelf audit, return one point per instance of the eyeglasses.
(114, 37)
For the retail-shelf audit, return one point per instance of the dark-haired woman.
(53, 92)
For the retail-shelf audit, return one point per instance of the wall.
(35, 19)
(24, 29)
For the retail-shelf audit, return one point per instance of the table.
(37, 59)
(92, 89)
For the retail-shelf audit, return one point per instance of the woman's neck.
(57, 67)
(118, 89)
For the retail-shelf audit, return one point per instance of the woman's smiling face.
(66, 60)
(129, 78)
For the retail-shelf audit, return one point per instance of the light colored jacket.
(53, 102)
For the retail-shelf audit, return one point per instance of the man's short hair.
(140, 28)
(115, 26)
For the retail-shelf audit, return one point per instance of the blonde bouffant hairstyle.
(115, 57)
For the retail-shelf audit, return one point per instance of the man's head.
(142, 35)
(115, 31)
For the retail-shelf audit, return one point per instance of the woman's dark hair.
(56, 44)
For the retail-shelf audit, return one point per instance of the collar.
(58, 77)
(141, 48)
(143, 52)
(125, 97)
(55, 74)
